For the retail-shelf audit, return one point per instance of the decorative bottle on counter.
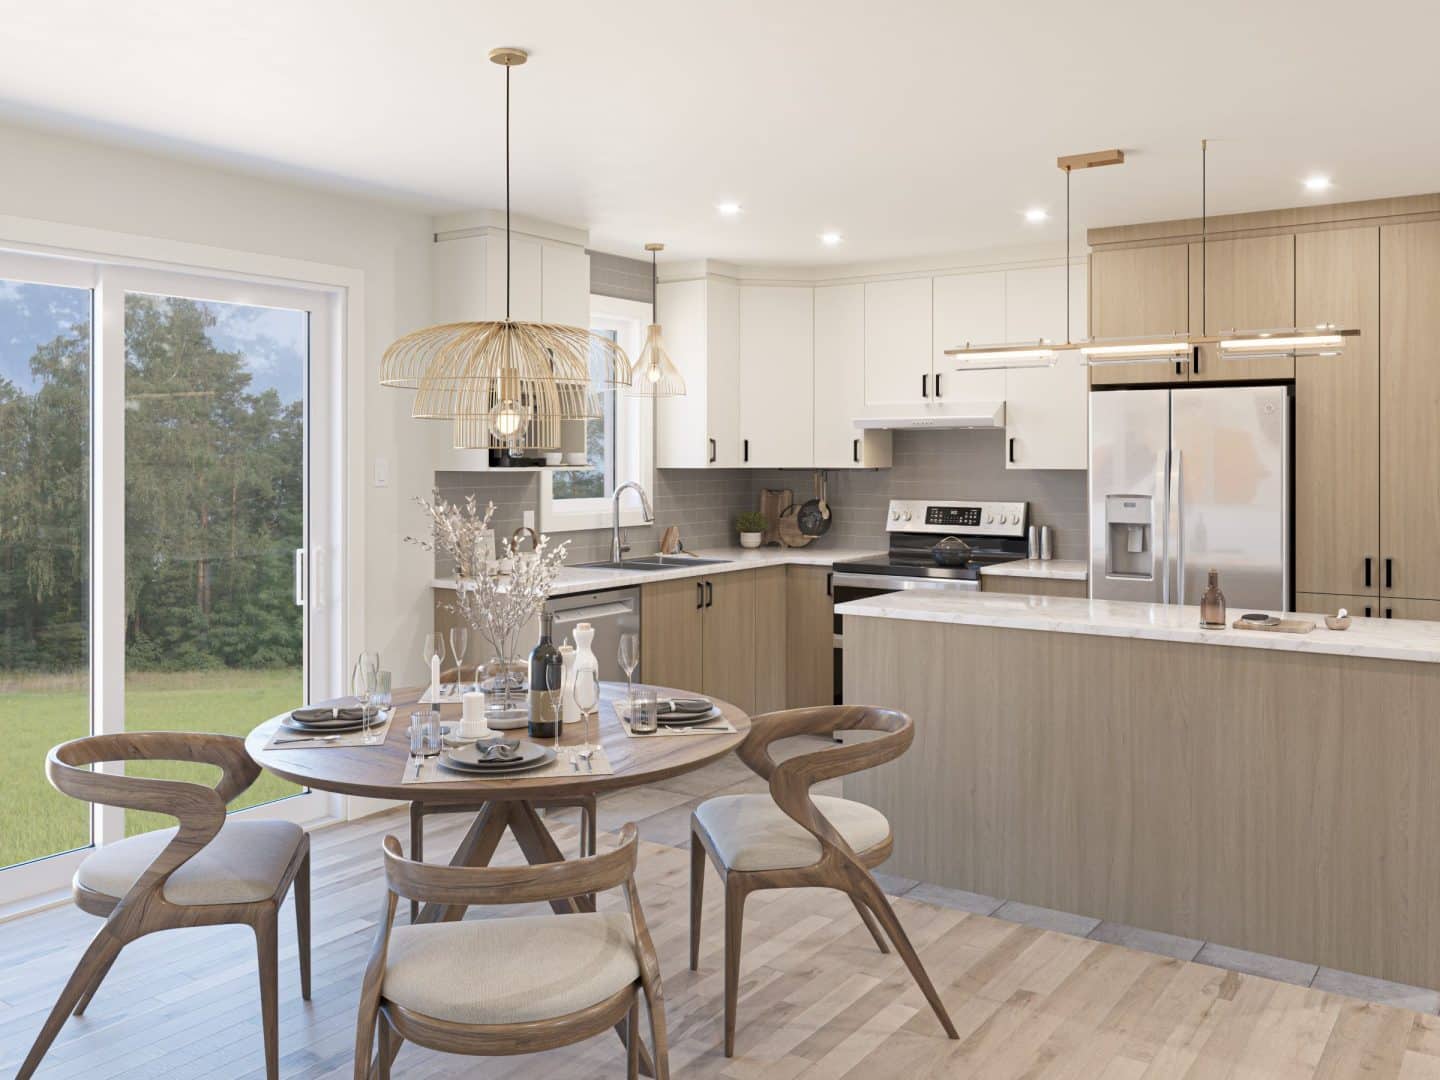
(543, 658)
(1212, 604)
(585, 658)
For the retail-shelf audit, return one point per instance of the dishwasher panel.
(612, 613)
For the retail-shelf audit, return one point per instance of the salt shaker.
(1032, 542)
(1047, 551)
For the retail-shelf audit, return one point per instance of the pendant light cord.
(507, 192)
(654, 287)
(1068, 339)
(1204, 229)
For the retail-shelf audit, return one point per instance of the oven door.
(846, 587)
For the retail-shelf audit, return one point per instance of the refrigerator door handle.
(1162, 526)
(1176, 531)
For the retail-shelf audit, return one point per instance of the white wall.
(79, 183)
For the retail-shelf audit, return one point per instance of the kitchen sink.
(652, 562)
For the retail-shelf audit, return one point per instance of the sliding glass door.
(166, 481)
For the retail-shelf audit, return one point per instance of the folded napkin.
(498, 750)
(684, 706)
(318, 714)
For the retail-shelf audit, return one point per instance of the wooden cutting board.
(773, 502)
(1284, 626)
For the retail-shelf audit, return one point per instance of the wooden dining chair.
(520, 985)
(792, 839)
(210, 870)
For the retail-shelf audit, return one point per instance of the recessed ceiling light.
(1317, 183)
(830, 239)
(729, 209)
(1037, 214)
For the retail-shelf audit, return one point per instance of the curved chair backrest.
(199, 809)
(791, 780)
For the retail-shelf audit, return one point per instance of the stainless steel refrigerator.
(1186, 480)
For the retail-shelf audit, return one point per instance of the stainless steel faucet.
(617, 545)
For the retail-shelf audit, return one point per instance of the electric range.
(995, 532)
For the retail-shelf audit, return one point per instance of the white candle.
(472, 722)
(434, 678)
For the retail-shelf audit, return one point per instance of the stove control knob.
(904, 515)
(894, 515)
(990, 519)
(1014, 519)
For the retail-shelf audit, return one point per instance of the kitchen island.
(1268, 791)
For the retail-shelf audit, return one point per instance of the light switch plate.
(382, 472)
(528, 519)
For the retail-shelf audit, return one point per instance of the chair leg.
(697, 896)
(734, 916)
(874, 897)
(659, 1036)
(591, 827)
(390, 1041)
(98, 957)
(367, 1021)
(267, 947)
(869, 921)
(301, 888)
(632, 1043)
(100, 974)
(417, 848)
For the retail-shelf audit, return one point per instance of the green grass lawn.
(36, 820)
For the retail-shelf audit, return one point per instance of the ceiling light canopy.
(655, 373)
(831, 239)
(505, 384)
(1318, 183)
(1036, 214)
(729, 209)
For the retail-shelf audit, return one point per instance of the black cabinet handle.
(830, 584)
(1367, 571)
(709, 594)
(1177, 368)
(699, 595)
(1195, 361)
(1389, 613)
(1010, 452)
(1368, 611)
(937, 383)
(925, 385)
(1389, 572)
(747, 449)
(712, 451)
(855, 451)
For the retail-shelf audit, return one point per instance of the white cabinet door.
(1046, 409)
(700, 319)
(898, 343)
(721, 434)
(968, 308)
(840, 382)
(565, 285)
(777, 375)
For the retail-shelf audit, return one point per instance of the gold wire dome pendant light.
(655, 373)
(506, 384)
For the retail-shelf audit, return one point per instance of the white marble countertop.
(1046, 569)
(573, 580)
(1383, 639)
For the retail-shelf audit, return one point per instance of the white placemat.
(287, 739)
(432, 773)
(718, 726)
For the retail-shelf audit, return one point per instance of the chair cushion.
(243, 863)
(510, 970)
(751, 832)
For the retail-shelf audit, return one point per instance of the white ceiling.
(913, 127)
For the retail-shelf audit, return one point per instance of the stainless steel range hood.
(968, 414)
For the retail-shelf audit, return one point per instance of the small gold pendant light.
(505, 384)
(655, 373)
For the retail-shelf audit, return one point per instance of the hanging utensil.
(814, 514)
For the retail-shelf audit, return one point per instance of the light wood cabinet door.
(728, 641)
(777, 375)
(1360, 606)
(898, 342)
(810, 637)
(969, 309)
(771, 627)
(1409, 407)
(1249, 285)
(671, 633)
(1337, 416)
(1401, 608)
(1137, 291)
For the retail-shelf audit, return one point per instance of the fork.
(308, 738)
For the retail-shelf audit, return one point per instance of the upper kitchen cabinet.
(701, 319)
(840, 383)
(1409, 406)
(968, 308)
(1135, 292)
(1046, 409)
(1249, 285)
(777, 375)
(1337, 416)
(549, 281)
(898, 343)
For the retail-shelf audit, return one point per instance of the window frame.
(630, 459)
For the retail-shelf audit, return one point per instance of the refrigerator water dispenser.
(1129, 540)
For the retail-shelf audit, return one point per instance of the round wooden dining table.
(501, 804)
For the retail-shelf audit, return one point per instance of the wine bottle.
(1212, 604)
(544, 658)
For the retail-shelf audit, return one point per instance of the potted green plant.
(751, 526)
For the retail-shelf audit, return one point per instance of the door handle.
(1010, 449)
(1367, 571)
(1389, 613)
(1195, 362)
(299, 577)
(1368, 611)
(855, 451)
(830, 584)
(925, 385)
(709, 594)
(1177, 518)
(747, 449)
(937, 383)
(712, 451)
(1389, 573)
(699, 595)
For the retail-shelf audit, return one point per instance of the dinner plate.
(469, 757)
(322, 715)
(339, 728)
(542, 756)
(683, 720)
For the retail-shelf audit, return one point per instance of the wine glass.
(362, 685)
(433, 649)
(459, 640)
(587, 697)
(630, 659)
(554, 682)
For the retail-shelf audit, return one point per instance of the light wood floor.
(817, 999)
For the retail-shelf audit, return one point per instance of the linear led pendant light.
(655, 373)
(1326, 339)
(1045, 353)
(505, 384)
